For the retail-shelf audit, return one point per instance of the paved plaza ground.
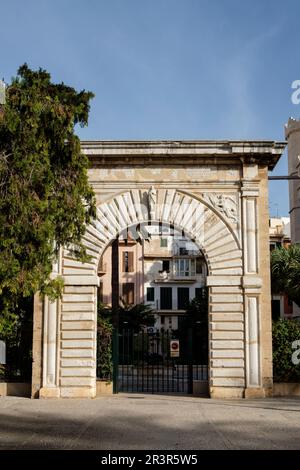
(128, 421)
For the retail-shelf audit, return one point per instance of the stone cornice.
(191, 152)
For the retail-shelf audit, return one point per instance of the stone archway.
(224, 212)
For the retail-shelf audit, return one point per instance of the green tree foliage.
(195, 325)
(132, 317)
(45, 197)
(285, 333)
(285, 272)
(104, 344)
(197, 309)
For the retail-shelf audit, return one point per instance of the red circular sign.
(174, 345)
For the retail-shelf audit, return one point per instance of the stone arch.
(202, 222)
(71, 372)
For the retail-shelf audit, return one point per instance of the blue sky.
(166, 69)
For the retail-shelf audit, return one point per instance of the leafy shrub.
(104, 346)
(285, 332)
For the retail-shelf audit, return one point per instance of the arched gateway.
(217, 192)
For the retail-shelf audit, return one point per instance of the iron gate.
(146, 364)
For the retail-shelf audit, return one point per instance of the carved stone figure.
(224, 204)
(152, 194)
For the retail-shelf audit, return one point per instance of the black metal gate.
(158, 362)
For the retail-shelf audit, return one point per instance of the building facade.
(163, 269)
(217, 193)
(175, 272)
(280, 236)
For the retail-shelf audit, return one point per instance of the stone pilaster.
(252, 283)
(50, 388)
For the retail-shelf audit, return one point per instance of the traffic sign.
(174, 347)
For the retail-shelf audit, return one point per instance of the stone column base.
(255, 392)
(226, 392)
(78, 392)
(49, 392)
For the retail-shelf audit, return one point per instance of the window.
(162, 320)
(166, 298)
(166, 265)
(128, 293)
(199, 292)
(150, 294)
(185, 267)
(183, 297)
(164, 243)
(183, 251)
(199, 265)
(127, 262)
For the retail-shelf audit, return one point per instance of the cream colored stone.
(226, 298)
(254, 393)
(49, 392)
(226, 392)
(90, 279)
(227, 334)
(78, 325)
(227, 290)
(77, 381)
(78, 343)
(77, 372)
(227, 382)
(230, 353)
(74, 298)
(223, 281)
(224, 362)
(226, 344)
(77, 363)
(79, 290)
(77, 307)
(231, 326)
(226, 307)
(77, 353)
(78, 392)
(78, 316)
(226, 316)
(85, 334)
(227, 372)
(104, 388)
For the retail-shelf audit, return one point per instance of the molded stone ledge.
(223, 281)
(226, 392)
(49, 392)
(78, 392)
(252, 282)
(104, 388)
(82, 280)
(252, 392)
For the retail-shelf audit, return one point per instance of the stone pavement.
(148, 422)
